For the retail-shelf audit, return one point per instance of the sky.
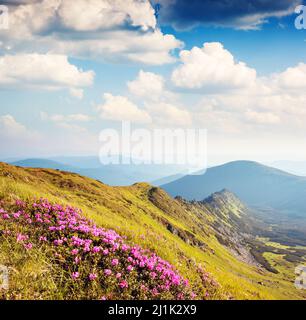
(69, 69)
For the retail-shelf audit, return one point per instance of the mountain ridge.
(254, 183)
(112, 174)
(183, 234)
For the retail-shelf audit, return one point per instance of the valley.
(217, 243)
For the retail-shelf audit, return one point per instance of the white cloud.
(262, 117)
(77, 93)
(70, 121)
(234, 100)
(112, 30)
(167, 114)
(147, 84)
(10, 127)
(49, 71)
(150, 48)
(293, 78)
(36, 17)
(157, 100)
(282, 114)
(211, 68)
(17, 140)
(103, 14)
(120, 108)
(16, 137)
(75, 117)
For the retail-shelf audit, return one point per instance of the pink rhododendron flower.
(78, 244)
(123, 284)
(107, 272)
(96, 249)
(21, 237)
(28, 246)
(74, 252)
(129, 268)
(75, 275)
(115, 262)
(92, 276)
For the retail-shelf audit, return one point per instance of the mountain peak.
(254, 183)
(225, 197)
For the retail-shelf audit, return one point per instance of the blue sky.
(63, 78)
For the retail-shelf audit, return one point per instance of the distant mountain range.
(254, 183)
(217, 243)
(44, 164)
(121, 174)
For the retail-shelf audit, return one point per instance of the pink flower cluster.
(95, 254)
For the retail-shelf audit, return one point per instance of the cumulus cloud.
(49, 72)
(10, 127)
(230, 98)
(238, 14)
(262, 117)
(119, 108)
(167, 114)
(150, 48)
(47, 16)
(147, 84)
(77, 93)
(248, 113)
(293, 78)
(113, 30)
(234, 100)
(15, 137)
(211, 68)
(69, 121)
(18, 140)
(96, 14)
(152, 112)
(75, 117)
(157, 100)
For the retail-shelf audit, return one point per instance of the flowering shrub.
(97, 263)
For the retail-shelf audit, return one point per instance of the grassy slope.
(129, 211)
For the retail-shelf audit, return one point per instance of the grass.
(129, 211)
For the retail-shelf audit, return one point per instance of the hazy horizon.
(242, 81)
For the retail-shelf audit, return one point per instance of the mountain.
(174, 177)
(167, 179)
(210, 242)
(127, 174)
(84, 162)
(254, 183)
(43, 163)
(112, 174)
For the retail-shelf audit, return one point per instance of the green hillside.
(188, 235)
